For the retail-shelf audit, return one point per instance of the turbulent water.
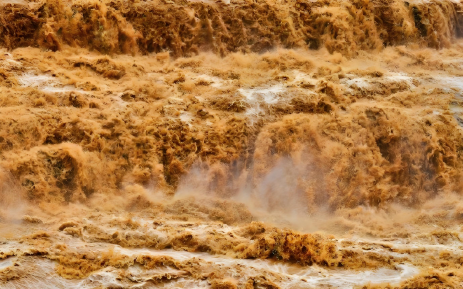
(231, 144)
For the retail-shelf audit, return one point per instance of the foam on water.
(13, 2)
(6, 263)
(186, 117)
(44, 83)
(365, 83)
(106, 277)
(256, 97)
(343, 280)
(453, 84)
(293, 274)
(450, 83)
(360, 82)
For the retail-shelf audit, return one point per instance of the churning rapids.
(231, 144)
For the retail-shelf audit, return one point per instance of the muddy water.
(41, 271)
(201, 144)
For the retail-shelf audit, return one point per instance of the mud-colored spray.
(186, 28)
(231, 144)
(13, 201)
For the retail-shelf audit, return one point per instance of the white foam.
(39, 274)
(13, 2)
(11, 64)
(360, 82)
(107, 277)
(45, 83)
(349, 280)
(395, 77)
(6, 263)
(269, 95)
(186, 117)
(353, 82)
(451, 83)
(256, 97)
